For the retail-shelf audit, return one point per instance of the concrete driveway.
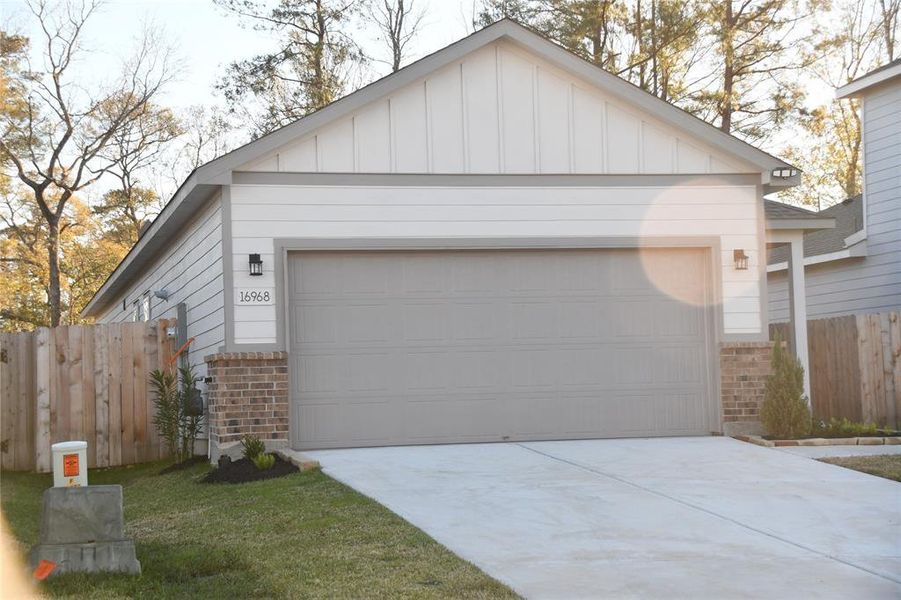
(653, 518)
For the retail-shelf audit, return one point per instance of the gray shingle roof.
(848, 216)
(779, 210)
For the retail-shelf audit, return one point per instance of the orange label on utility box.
(70, 465)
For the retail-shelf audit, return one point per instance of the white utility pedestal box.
(70, 464)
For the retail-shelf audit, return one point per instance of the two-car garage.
(439, 346)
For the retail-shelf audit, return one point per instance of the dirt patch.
(185, 464)
(242, 471)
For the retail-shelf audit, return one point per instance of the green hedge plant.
(179, 410)
(785, 413)
(252, 447)
(264, 462)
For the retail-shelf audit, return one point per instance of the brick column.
(744, 367)
(247, 393)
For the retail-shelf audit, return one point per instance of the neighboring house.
(856, 267)
(500, 241)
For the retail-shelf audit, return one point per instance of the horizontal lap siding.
(871, 284)
(262, 213)
(191, 272)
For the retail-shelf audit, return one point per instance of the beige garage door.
(422, 347)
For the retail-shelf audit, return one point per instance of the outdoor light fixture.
(741, 260)
(784, 173)
(256, 264)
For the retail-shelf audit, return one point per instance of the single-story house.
(855, 268)
(500, 241)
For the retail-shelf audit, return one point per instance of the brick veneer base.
(247, 393)
(744, 367)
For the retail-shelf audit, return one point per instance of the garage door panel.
(318, 373)
(473, 321)
(426, 371)
(369, 372)
(477, 278)
(436, 347)
(425, 321)
(536, 320)
(317, 324)
(450, 419)
(474, 370)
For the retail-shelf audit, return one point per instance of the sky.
(206, 38)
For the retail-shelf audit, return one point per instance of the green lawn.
(885, 465)
(304, 535)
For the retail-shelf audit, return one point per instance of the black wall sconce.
(256, 264)
(741, 260)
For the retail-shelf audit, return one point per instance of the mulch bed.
(242, 471)
(181, 466)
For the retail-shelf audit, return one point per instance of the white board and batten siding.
(873, 283)
(191, 272)
(498, 110)
(262, 213)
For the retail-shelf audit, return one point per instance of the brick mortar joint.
(244, 356)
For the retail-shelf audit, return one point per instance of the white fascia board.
(853, 252)
(867, 81)
(856, 237)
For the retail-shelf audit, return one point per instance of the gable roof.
(873, 78)
(505, 29)
(205, 180)
(848, 216)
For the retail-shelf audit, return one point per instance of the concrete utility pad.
(664, 517)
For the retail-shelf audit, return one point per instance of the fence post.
(42, 405)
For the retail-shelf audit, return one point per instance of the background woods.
(87, 160)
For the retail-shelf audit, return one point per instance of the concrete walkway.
(650, 518)
(830, 451)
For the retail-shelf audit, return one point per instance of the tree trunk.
(53, 291)
(851, 184)
(729, 69)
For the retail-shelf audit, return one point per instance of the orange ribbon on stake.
(44, 569)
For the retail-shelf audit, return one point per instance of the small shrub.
(264, 462)
(785, 413)
(837, 428)
(177, 419)
(168, 414)
(252, 447)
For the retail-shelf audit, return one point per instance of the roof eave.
(806, 224)
(189, 197)
(858, 86)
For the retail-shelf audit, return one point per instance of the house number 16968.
(254, 297)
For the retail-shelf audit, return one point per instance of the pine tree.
(785, 413)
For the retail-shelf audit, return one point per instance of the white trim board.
(858, 250)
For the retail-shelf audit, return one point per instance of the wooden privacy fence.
(81, 382)
(855, 366)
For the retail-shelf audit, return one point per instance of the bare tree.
(891, 11)
(56, 147)
(310, 67)
(207, 136)
(133, 150)
(398, 23)
(752, 86)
